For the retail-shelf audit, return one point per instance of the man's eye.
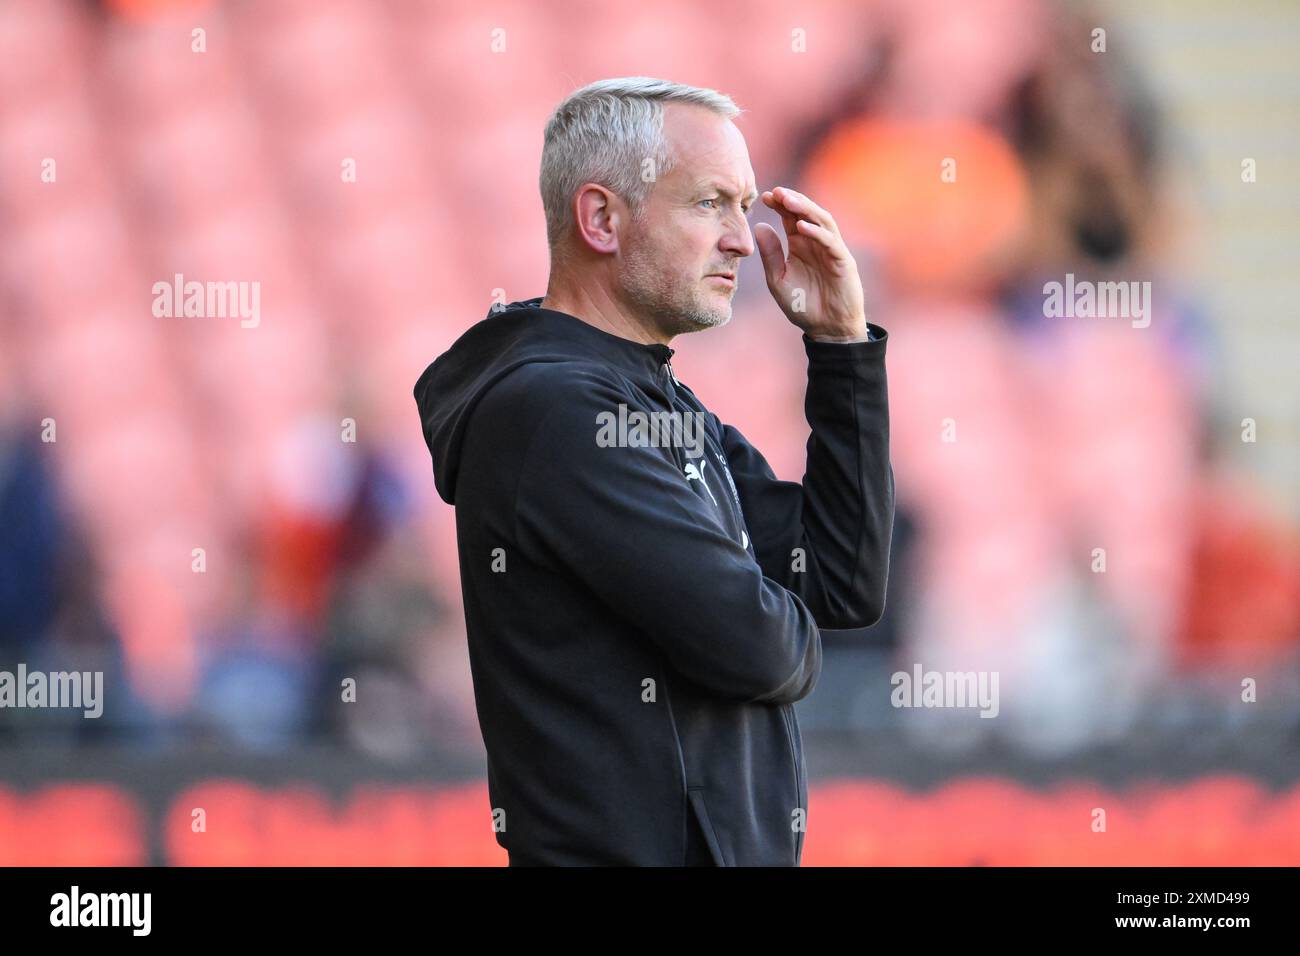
(744, 209)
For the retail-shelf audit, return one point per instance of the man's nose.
(739, 239)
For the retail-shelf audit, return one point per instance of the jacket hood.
(522, 332)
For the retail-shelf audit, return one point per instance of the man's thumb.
(769, 247)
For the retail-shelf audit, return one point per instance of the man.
(642, 603)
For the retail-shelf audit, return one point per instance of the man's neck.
(599, 309)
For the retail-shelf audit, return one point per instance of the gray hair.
(604, 133)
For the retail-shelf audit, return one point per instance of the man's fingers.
(805, 208)
(803, 217)
(824, 236)
(788, 218)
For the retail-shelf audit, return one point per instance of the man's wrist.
(864, 336)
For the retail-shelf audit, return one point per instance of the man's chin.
(702, 319)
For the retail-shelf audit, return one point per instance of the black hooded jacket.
(643, 605)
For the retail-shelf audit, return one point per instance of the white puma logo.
(697, 474)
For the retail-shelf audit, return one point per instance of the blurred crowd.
(231, 522)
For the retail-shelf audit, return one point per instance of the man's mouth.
(728, 277)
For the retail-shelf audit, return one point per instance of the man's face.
(692, 226)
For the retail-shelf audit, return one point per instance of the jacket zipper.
(798, 779)
(681, 761)
(668, 364)
(785, 717)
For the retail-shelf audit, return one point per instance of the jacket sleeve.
(828, 539)
(627, 524)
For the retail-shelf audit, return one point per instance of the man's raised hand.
(817, 285)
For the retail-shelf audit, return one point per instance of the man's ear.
(598, 213)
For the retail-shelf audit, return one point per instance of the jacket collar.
(635, 357)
